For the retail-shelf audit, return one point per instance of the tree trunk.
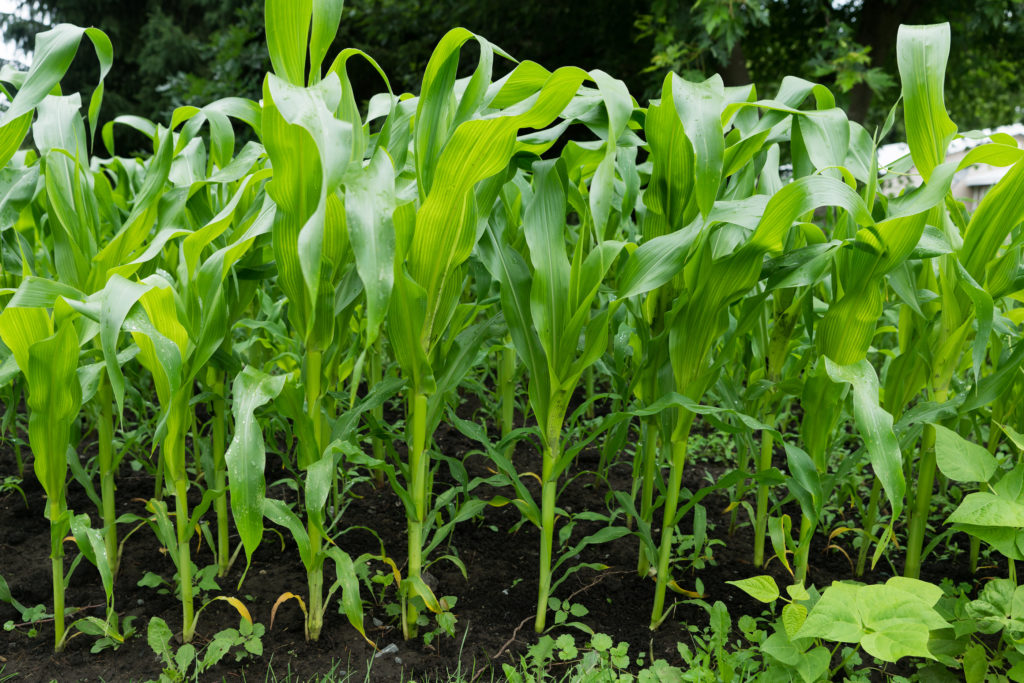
(735, 72)
(877, 25)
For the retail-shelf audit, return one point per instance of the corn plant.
(548, 312)
(46, 348)
(324, 197)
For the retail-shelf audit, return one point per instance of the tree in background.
(847, 44)
(196, 51)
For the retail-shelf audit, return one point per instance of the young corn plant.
(549, 311)
(330, 209)
(46, 347)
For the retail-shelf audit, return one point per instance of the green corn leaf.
(90, 542)
(246, 456)
(669, 195)
(307, 147)
(543, 229)
(700, 106)
(118, 298)
(656, 261)
(348, 580)
(20, 328)
(53, 53)
(319, 476)
(369, 203)
(54, 400)
(1000, 210)
(921, 53)
(326, 17)
(287, 25)
(875, 427)
(279, 513)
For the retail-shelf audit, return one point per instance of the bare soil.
(495, 605)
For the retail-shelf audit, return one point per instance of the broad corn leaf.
(921, 53)
(700, 105)
(875, 427)
(246, 456)
(370, 202)
(287, 37)
(54, 400)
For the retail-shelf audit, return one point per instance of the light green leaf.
(960, 459)
(246, 456)
(761, 588)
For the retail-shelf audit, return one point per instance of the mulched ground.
(495, 605)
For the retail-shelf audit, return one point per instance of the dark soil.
(495, 605)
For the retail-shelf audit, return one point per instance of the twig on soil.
(49, 619)
(503, 647)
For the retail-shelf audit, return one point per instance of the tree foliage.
(195, 51)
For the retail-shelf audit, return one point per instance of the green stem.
(173, 455)
(803, 550)
(184, 557)
(870, 516)
(745, 451)
(922, 504)
(650, 463)
(57, 572)
(105, 435)
(419, 470)
(219, 440)
(975, 551)
(158, 486)
(507, 380)
(547, 528)
(315, 582)
(312, 380)
(376, 375)
(764, 464)
(680, 437)
(588, 383)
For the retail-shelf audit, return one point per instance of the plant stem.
(57, 572)
(315, 582)
(680, 438)
(312, 377)
(803, 550)
(745, 451)
(173, 453)
(870, 516)
(376, 375)
(218, 432)
(922, 504)
(650, 462)
(764, 464)
(588, 383)
(547, 529)
(184, 557)
(419, 471)
(17, 458)
(105, 435)
(506, 378)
